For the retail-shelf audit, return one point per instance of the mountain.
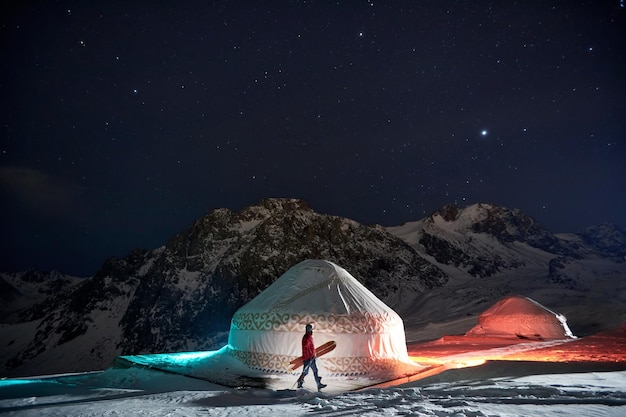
(446, 268)
(23, 290)
(481, 239)
(490, 252)
(607, 239)
(182, 296)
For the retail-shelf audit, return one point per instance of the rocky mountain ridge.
(23, 290)
(481, 239)
(181, 296)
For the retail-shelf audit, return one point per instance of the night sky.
(123, 122)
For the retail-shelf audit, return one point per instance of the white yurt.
(266, 333)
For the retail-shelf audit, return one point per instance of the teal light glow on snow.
(169, 361)
(185, 357)
(34, 387)
(216, 366)
(10, 382)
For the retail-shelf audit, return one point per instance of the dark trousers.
(310, 363)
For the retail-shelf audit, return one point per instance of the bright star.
(483, 133)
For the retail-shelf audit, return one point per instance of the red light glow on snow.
(461, 351)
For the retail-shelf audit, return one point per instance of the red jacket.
(308, 347)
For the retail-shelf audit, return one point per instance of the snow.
(246, 226)
(188, 281)
(477, 391)
(148, 265)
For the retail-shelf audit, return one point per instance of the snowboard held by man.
(308, 356)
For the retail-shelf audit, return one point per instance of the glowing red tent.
(521, 317)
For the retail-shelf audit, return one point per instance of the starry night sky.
(123, 122)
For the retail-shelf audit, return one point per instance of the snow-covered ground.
(469, 378)
(479, 391)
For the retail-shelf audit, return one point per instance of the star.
(483, 132)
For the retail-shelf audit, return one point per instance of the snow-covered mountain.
(182, 296)
(481, 239)
(23, 290)
(446, 268)
(489, 252)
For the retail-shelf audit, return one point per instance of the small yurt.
(521, 317)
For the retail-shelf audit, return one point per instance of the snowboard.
(319, 351)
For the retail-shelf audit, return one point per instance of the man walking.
(308, 357)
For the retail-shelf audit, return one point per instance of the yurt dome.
(266, 333)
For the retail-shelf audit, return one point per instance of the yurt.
(266, 333)
(521, 317)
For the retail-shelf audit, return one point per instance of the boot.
(320, 385)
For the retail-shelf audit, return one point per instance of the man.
(308, 357)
